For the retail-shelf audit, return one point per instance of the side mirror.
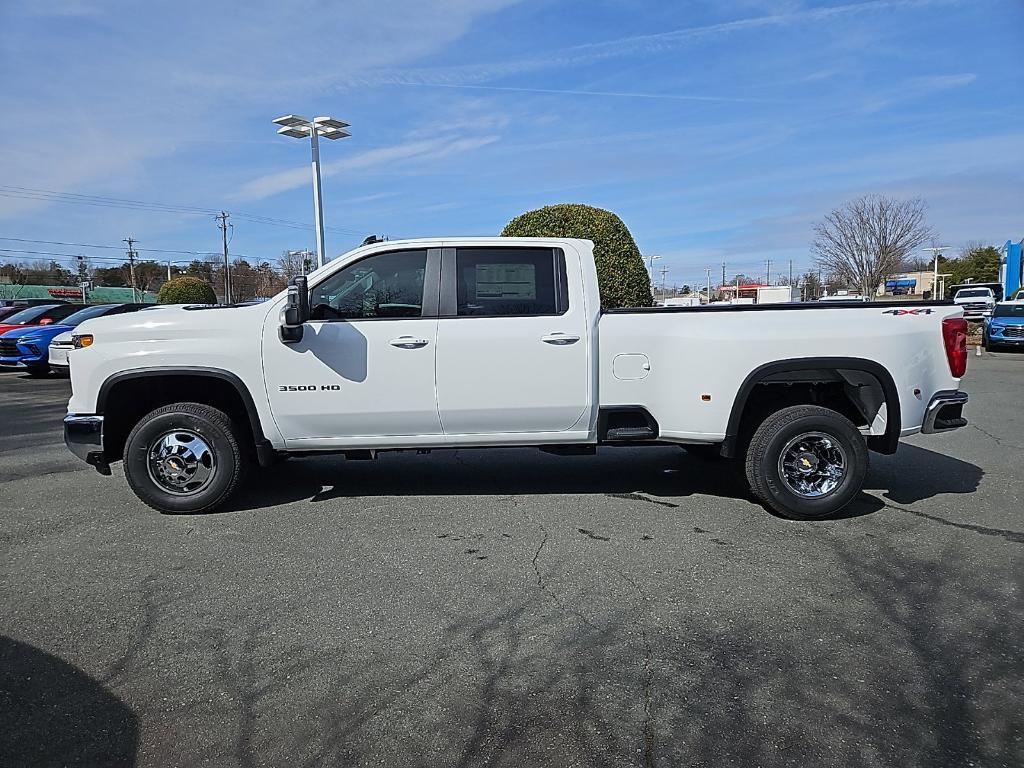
(295, 312)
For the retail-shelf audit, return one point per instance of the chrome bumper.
(945, 412)
(83, 435)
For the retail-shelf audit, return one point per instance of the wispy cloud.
(590, 53)
(420, 151)
(917, 87)
(615, 94)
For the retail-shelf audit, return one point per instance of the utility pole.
(723, 274)
(791, 273)
(664, 272)
(222, 225)
(708, 271)
(83, 278)
(131, 264)
(768, 273)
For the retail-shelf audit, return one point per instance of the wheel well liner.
(886, 443)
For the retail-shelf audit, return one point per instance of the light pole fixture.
(298, 127)
(936, 251)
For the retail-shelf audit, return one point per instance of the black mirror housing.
(296, 310)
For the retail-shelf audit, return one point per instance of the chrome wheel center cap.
(181, 462)
(813, 464)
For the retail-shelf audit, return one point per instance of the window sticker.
(506, 281)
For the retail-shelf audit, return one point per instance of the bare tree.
(867, 239)
(294, 263)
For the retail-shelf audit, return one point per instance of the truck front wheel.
(184, 458)
(806, 462)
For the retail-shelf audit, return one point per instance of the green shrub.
(186, 290)
(621, 275)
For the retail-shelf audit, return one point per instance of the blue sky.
(717, 130)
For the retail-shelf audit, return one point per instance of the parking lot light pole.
(298, 127)
(936, 251)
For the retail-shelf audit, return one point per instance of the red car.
(39, 315)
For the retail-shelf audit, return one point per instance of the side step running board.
(630, 433)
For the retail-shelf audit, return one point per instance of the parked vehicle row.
(37, 338)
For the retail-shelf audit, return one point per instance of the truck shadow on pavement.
(55, 714)
(660, 475)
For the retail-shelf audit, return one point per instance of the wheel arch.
(223, 389)
(777, 370)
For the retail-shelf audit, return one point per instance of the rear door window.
(503, 282)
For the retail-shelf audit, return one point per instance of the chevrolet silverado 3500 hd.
(482, 342)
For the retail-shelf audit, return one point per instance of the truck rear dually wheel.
(806, 462)
(184, 458)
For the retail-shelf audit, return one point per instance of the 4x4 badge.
(898, 312)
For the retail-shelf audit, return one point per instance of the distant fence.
(71, 293)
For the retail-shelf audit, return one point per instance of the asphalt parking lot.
(517, 609)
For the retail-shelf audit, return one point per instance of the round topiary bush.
(621, 275)
(186, 290)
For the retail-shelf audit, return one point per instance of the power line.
(110, 247)
(49, 195)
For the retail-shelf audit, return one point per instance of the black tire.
(833, 434)
(183, 423)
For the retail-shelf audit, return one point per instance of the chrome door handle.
(408, 342)
(559, 339)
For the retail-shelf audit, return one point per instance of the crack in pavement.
(536, 568)
(1015, 537)
(548, 591)
(998, 440)
(634, 496)
(648, 678)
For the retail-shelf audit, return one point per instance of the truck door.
(513, 351)
(365, 365)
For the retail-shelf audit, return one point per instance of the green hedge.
(621, 275)
(186, 290)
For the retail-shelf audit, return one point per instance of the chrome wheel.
(813, 465)
(181, 462)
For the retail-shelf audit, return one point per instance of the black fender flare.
(264, 450)
(886, 443)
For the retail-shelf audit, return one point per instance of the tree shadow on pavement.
(905, 661)
(55, 714)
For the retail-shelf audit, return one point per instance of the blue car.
(1005, 328)
(28, 348)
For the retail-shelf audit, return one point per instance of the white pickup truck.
(473, 343)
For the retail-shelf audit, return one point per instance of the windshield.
(1008, 310)
(84, 314)
(28, 315)
(976, 292)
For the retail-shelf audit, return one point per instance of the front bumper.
(83, 435)
(945, 412)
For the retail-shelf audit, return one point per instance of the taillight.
(954, 337)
